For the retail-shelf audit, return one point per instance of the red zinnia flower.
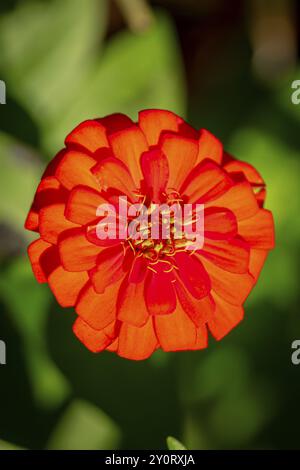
(134, 298)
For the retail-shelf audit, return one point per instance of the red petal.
(226, 317)
(159, 291)
(193, 274)
(137, 343)
(176, 331)
(95, 341)
(35, 250)
(110, 268)
(219, 223)
(98, 310)
(76, 252)
(113, 173)
(52, 222)
(258, 230)
(138, 270)
(232, 255)
(115, 122)
(155, 169)
(234, 288)
(250, 173)
(75, 169)
(202, 338)
(89, 134)
(206, 182)
(82, 205)
(182, 155)
(128, 145)
(239, 199)
(154, 121)
(132, 307)
(66, 285)
(199, 310)
(209, 147)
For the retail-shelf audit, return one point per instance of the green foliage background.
(61, 67)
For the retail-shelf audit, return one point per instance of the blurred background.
(225, 66)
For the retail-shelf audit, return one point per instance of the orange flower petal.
(82, 205)
(219, 223)
(76, 252)
(66, 285)
(113, 173)
(199, 310)
(35, 250)
(98, 310)
(209, 147)
(75, 169)
(239, 199)
(257, 260)
(137, 343)
(90, 134)
(206, 182)
(128, 145)
(95, 341)
(258, 230)
(49, 191)
(52, 222)
(234, 288)
(226, 317)
(154, 121)
(250, 173)
(230, 255)
(132, 307)
(176, 331)
(182, 155)
(111, 266)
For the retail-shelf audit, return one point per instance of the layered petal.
(52, 222)
(66, 285)
(182, 155)
(205, 183)
(128, 146)
(75, 169)
(209, 147)
(76, 252)
(155, 121)
(155, 170)
(98, 310)
(232, 256)
(226, 317)
(175, 332)
(137, 343)
(90, 134)
(95, 340)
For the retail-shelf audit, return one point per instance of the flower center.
(162, 229)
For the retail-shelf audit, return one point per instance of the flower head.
(134, 294)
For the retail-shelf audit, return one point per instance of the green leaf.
(174, 444)
(29, 312)
(20, 170)
(4, 445)
(84, 427)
